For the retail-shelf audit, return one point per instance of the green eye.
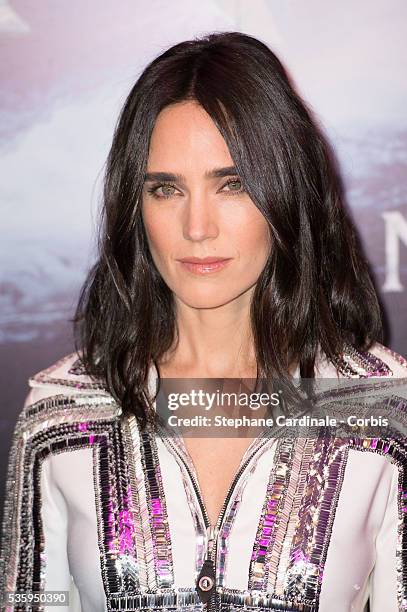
(233, 186)
(161, 190)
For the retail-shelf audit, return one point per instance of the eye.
(234, 185)
(162, 190)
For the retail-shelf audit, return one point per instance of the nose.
(200, 219)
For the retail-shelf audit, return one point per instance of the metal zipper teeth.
(195, 484)
(208, 606)
(232, 486)
(212, 606)
(229, 493)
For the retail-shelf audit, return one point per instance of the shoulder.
(378, 361)
(64, 392)
(394, 362)
(66, 375)
(381, 390)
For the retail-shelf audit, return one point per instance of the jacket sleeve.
(388, 580)
(33, 553)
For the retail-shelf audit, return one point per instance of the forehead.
(184, 134)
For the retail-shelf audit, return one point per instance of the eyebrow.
(180, 178)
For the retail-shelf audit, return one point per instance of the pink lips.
(204, 265)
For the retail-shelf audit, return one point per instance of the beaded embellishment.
(361, 364)
(73, 377)
(294, 528)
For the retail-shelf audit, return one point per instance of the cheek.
(254, 239)
(158, 234)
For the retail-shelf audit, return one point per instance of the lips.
(202, 260)
(205, 265)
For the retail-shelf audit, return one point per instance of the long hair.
(315, 290)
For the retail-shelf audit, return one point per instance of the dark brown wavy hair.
(315, 289)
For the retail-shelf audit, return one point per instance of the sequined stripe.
(360, 364)
(161, 539)
(334, 471)
(200, 531)
(29, 421)
(10, 542)
(233, 600)
(119, 520)
(270, 515)
(30, 565)
(230, 600)
(130, 515)
(367, 389)
(116, 524)
(397, 450)
(187, 600)
(126, 514)
(181, 599)
(118, 562)
(234, 503)
(374, 365)
(223, 545)
(38, 561)
(198, 523)
(42, 380)
(41, 446)
(107, 510)
(45, 377)
(301, 580)
(279, 555)
(53, 408)
(31, 569)
(137, 497)
(196, 513)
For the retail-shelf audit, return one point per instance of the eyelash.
(153, 189)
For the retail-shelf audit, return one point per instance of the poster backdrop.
(66, 68)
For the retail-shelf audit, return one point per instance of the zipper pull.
(205, 583)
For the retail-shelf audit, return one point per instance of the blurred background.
(66, 68)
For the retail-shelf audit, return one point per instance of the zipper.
(206, 581)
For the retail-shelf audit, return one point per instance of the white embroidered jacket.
(115, 516)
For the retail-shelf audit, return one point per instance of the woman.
(225, 252)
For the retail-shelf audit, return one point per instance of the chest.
(216, 462)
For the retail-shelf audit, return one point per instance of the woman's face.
(194, 206)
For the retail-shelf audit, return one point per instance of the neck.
(213, 342)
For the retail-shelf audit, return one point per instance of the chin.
(208, 299)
